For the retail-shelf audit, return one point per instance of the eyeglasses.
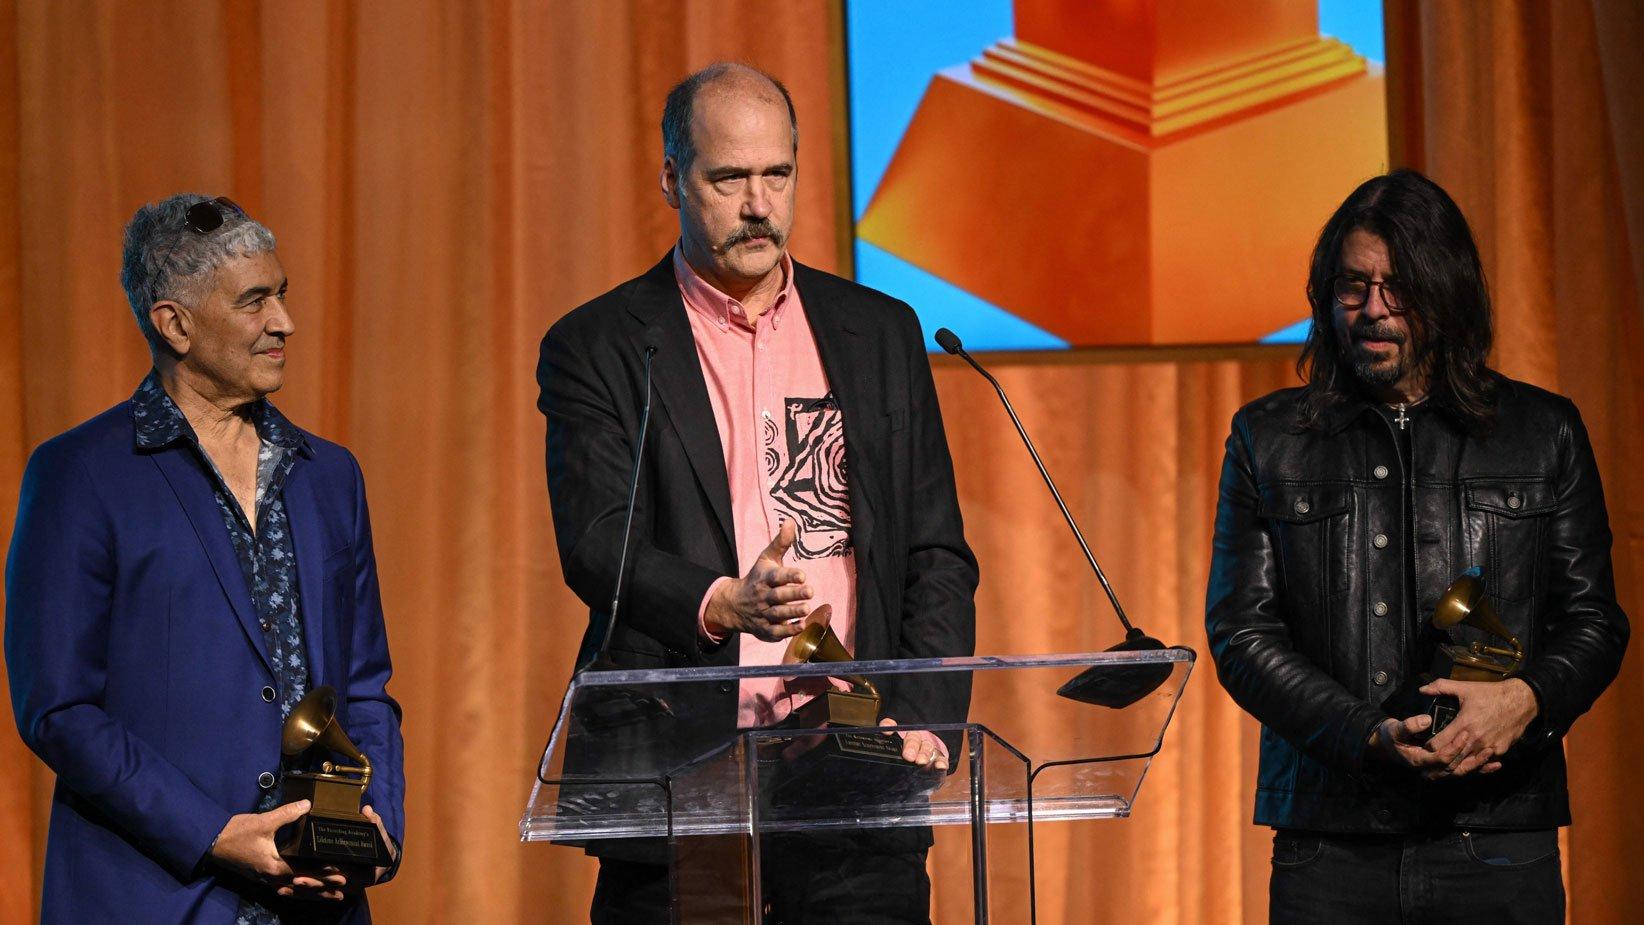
(206, 217)
(1353, 291)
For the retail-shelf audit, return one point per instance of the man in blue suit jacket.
(185, 567)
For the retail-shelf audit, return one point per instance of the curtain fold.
(1527, 113)
(447, 179)
(22, 848)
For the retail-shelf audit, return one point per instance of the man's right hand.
(246, 846)
(769, 602)
(1399, 742)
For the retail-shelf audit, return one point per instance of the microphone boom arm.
(628, 521)
(1050, 483)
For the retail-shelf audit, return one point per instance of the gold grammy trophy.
(854, 766)
(1463, 604)
(857, 707)
(334, 831)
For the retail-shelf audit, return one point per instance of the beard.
(1379, 372)
(1375, 369)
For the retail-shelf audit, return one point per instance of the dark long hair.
(1443, 293)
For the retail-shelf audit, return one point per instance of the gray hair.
(678, 110)
(165, 259)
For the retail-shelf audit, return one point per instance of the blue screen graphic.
(893, 49)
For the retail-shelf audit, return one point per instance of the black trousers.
(1478, 876)
(848, 878)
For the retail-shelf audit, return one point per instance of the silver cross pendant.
(1401, 420)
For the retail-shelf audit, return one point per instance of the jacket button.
(1514, 501)
(1380, 678)
(725, 687)
(1302, 506)
(1380, 608)
(268, 694)
(1380, 541)
(1381, 472)
(265, 780)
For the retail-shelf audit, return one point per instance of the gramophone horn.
(338, 741)
(313, 721)
(1464, 603)
(819, 643)
(309, 720)
(802, 646)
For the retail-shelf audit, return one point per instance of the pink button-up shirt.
(784, 443)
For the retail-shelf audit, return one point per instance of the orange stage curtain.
(448, 178)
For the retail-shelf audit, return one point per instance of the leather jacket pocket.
(1510, 518)
(1304, 502)
(1307, 522)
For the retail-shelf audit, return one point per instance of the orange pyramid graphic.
(1136, 171)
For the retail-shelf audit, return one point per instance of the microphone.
(603, 710)
(1106, 685)
(628, 521)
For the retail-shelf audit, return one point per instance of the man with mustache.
(795, 459)
(186, 566)
(1348, 506)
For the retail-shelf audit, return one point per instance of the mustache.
(747, 232)
(263, 346)
(1378, 331)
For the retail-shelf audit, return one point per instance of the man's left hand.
(393, 849)
(1493, 716)
(921, 747)
(326, 882)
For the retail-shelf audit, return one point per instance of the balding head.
(726, 78)
(730, 167)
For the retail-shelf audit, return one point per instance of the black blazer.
(916, 577)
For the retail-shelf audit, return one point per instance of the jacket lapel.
(302, 511)
(854, 386)
(680, 393)
(193, 490)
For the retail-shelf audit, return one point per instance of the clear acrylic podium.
(632, 756)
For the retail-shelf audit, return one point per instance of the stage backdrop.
(447, 179)
(1141, 142)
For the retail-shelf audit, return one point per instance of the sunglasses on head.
(206, 217)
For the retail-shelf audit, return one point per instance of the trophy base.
(1408, 700)
(836, 708)
(844, 769)
(1405, 704)
(337, 838)
(334, 831)
(847, 768)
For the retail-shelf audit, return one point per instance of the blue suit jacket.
(137, 666)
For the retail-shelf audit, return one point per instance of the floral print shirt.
(267, 557)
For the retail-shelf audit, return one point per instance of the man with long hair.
(1349, 506)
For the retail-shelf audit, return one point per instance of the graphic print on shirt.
(805, 462)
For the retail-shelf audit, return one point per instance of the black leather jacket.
(1298, 577)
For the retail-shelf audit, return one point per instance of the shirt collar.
(701, 296)
(1348, 409)
(159, 422)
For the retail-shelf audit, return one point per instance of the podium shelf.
(656, 753)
